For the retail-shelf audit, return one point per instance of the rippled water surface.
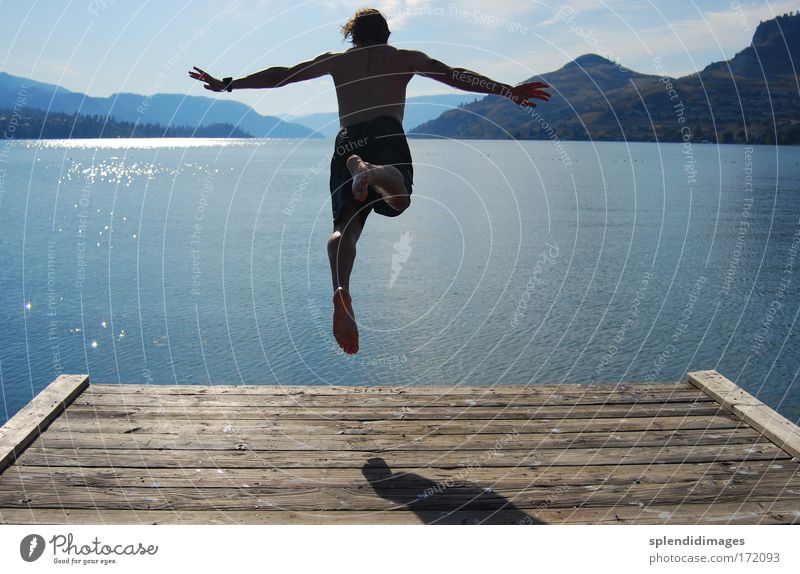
(203, 261)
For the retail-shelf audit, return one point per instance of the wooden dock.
(701, 451)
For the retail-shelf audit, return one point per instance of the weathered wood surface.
(26, 425)
(361, 392)
(363, 497)
(245, 458)
(112, 397)
(666, 453)
(578, 475)
(234, 413)
(398, 442)
(742, 404)
(99, 424)
(784, 512)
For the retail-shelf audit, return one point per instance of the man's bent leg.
(342, 254)
(386, 179)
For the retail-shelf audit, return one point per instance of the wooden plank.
(35, 455)
(391, 493)
(167, 426)
(410, 390)
(788, 512)
(576, 476)
(93, 398)
(26, 425)
(715, 513)
(399, 442)
(239, 413)
(742, 404)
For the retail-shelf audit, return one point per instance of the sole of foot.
(359, 169)
(345, 329)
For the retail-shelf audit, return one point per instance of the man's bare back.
(371, 80)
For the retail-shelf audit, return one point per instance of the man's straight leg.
(342, 254)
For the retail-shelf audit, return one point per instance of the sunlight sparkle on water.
(141, 143)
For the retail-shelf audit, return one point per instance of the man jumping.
(371, 168)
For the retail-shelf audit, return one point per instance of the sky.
(101, 47)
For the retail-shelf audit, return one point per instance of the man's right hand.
(211, 83)
(524, 92)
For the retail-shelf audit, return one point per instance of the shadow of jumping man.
(443, 501)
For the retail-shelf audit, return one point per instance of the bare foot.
(359, 169)
(344, 322)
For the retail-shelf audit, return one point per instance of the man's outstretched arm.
(274, 77)
(469, 81)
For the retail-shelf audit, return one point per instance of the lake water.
(204, 262)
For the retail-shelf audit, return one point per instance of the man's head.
(366, 27)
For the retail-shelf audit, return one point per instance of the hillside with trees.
(752, 98)
(36, 124)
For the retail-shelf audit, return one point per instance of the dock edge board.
(781, 431)
(34, 417)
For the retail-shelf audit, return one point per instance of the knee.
(400, 203)
(334, 240)
(339, 240)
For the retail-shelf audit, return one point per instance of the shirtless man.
(371, 166)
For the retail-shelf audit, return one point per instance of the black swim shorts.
(380, 141)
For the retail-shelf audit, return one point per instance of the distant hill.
(38, 124)
(419, 109)
(169, 110)
(754, 97)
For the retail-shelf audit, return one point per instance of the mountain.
(170, 110)
(419, 109)
(775, 46)
(754, 97)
